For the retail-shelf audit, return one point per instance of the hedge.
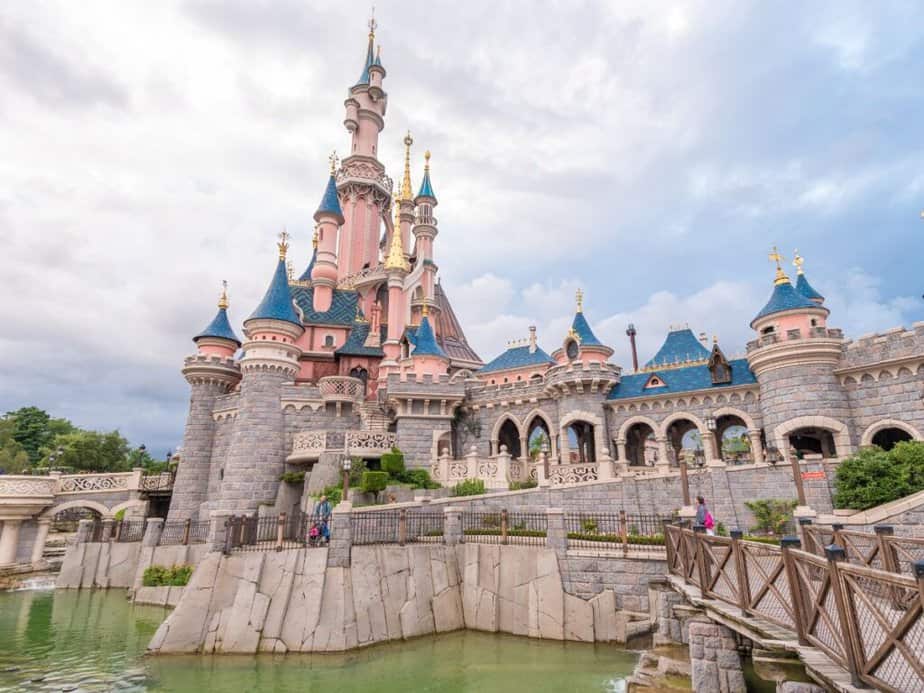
(162, 576)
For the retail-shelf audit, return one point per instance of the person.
(322, 513)
(704, 517)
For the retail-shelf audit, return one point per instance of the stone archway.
(507, 431)
(595, 448)
(805, 425)
(97, 507)
(687, 438)
(539, 426)
(879, 427)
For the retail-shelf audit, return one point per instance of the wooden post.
(808, 541)
(668, 549)
(624, 532)
(699, 531)
(402, 527)
(280, 530)
(685, 557)
(186, 531)
(918, 569)
(741, 570)
(504, 526)
(836, 554)
(797, 479)
(886, 553)
(685, 483)
(787, 544)
(836, 537)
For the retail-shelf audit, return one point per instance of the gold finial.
(798, 261)
(579, 298)
(372, 24)
(283, 244)
(427, 160)
(715, 339)
(314, 239)
(333, 161)
(396, 259)
(425, 310)
(223, 300)
(781, 277)
(406, 193)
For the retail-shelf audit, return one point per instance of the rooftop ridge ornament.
(333, 161)
(223, 299)
(781, 277)
(798, 261)
(283, 244)
(579, 299)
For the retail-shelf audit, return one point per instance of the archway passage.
(685, 442)
(732, 433)
(581, 447)
(68, 519)
(886, 438)
(812, 441)
(641, 445)
(509, 435)
(537, 437)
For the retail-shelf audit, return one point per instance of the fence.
(268, 533)
(128, 530)
(397, 527)
(882, 550)
(184, 532)
(505, 528)
(630, 533)
(869, 621)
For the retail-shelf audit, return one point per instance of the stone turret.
(211, 372)
(794, 359)
(425, 232)
(256, 454)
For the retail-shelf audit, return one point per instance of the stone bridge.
(28, 504)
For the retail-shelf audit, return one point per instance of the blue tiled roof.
(425, 341)
(806, 289)
(306, 275)
(426, 187)
(680, 345)
(684, 379)
(330, 203)
(517, 357)
(582, 328)
(277, 302)
(219, 327)
(784, 297)
(342, 309)
(355, 343)
(370, 61)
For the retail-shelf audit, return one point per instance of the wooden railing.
(867, 620)
(883, 549)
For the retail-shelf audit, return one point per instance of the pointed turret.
(581, 344)
(785, 298)
(802, 284)
(365, 77)
(306, 275)
(330, 202)
(218, 337)
(426, 187)
(425, 341)
(277, 301)
(396, 259)
(329, 218)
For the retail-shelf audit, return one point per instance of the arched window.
(886, 438)
(328, 341)
(509, 436)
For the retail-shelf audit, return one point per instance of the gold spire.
(579, 298)
(406, 193)
(425, 310)
(372, 24)
(333, 161)
(396, 259)
(283, 244)
(314, 240)
(798, 261)
(427, 161)
(781, 277)
(223, 300)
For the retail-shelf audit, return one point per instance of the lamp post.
(347, 465)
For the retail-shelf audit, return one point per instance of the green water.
(95, 641)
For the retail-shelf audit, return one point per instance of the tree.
(13, 457)
(872, 477)
(92, 451)
(374, 483)
(34, 430)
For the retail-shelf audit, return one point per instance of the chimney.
(532, 339)
(630, 332)
(703, 339)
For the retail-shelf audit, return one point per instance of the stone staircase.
(372, 416)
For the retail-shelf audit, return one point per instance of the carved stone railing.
(341, 388)
(368, 275)
(31, 486)
(308, 445)
(560, 474)
(370, 443)
(98, 483)
(153, 483)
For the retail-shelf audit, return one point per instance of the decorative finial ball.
(408, 140)
(427, 155)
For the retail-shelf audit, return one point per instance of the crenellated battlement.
(891, 345)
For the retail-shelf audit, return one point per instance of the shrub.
(162, 576)
(119, 516)
(874, 476)
(357, 468)
(292, 478)
(417, 478)
(469, 487)
(393, 462)
(334, 494)
(374, 483)
(772, 514)
(521, 485)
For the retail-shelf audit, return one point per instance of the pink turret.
(329, 217)
(424, 233)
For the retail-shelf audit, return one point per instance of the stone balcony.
(341, 388)
(310, 445)
(578, 378)
(777, 338)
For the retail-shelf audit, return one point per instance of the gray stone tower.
(211, 372)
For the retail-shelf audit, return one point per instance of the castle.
(363, 352)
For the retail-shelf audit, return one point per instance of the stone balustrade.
(812, 333)
(370, 443)
(561, 474)
(27, 486)
(341, 388)
(497, 471)
(96, 483)
(309, 445)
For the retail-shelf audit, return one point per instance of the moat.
(95, 641)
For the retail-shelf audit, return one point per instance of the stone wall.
(884, 396)
(894, 344)
(292, 601)
(119, 564)
(714, 658)
(586, 575)
(417, 438)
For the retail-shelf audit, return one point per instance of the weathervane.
(372, 24)
(781, 277)
(283, 244)
(333, 161)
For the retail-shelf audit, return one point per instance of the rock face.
(293, 601)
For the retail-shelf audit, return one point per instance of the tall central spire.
(406, 190)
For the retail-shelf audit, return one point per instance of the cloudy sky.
(650, 153)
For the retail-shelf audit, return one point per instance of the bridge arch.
(104, 512)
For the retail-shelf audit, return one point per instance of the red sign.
(809, 476)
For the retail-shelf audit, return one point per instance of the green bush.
(469, 487)
(393, 462)
(119, 516)
(417, 478)
(374, 483)
(637, 539)
(162, 576)
(772, 514)
(334, 494)
(874, 476)
(292, 478)
(522, 485)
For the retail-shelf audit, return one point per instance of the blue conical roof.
(277, 302)
(330, 203)
(370, 61)
(220, 327)
(306, 275)
(582, 328)
(784, 297)
(426, 187)
(425, 341)
(806, 289)
(680, 346)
